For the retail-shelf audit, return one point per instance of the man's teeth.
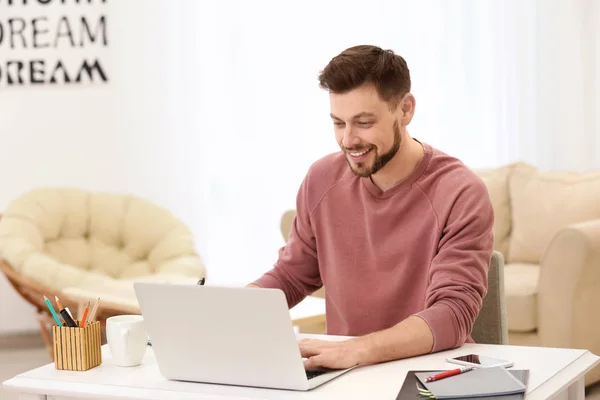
(359, 154)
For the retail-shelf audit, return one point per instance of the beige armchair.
(81, 245)
(548, 228)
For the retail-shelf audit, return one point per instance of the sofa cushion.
(119, 294)
(542, 203)
(496, 181)
(521, 288)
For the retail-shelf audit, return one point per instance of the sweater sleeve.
(458, 273)
(296, 271)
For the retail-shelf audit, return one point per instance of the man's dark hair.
(367, 64)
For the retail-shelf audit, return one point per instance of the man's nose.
(350, 140)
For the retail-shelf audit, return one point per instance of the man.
(399, 233)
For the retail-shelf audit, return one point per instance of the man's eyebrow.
(357, 116)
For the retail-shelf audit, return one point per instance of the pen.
(52, 311)
(446, 374)
(65, 314)
(85, 313)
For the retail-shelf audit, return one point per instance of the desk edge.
(545, 386)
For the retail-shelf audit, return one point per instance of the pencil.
(47, 301)
(92, 315)
(60, 307)
(85, 313)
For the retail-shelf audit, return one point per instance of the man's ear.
(407, 106)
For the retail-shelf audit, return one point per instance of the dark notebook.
(409, 390)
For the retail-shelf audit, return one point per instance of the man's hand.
(331, 354)
(409, 338)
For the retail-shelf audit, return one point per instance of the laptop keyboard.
(315, 372)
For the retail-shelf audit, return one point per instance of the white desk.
(555, 373)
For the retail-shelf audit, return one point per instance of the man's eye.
(338, 123)
(363, 123)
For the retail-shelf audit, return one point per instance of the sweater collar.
(416, 174)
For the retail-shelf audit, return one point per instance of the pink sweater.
(421, 248)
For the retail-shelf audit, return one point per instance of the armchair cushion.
(496, 181)
(543, 203)
(68, 237)
(521, 289)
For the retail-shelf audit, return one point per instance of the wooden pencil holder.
(77, 349)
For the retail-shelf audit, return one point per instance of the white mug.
(127, 339)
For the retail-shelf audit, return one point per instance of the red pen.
(446, 374)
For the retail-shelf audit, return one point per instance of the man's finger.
(313, 362)
(315, 345)
(309, 351)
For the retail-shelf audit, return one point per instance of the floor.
(17, 360)
(22, 353)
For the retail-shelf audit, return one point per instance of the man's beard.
(364, 171)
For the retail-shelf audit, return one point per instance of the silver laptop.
(225, 335)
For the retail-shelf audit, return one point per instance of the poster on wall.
(53, 42)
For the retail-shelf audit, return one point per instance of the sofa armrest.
(569, 288)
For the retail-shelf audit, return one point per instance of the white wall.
(234, 84)
(255, 118)
(99, 137)
(489, 85)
